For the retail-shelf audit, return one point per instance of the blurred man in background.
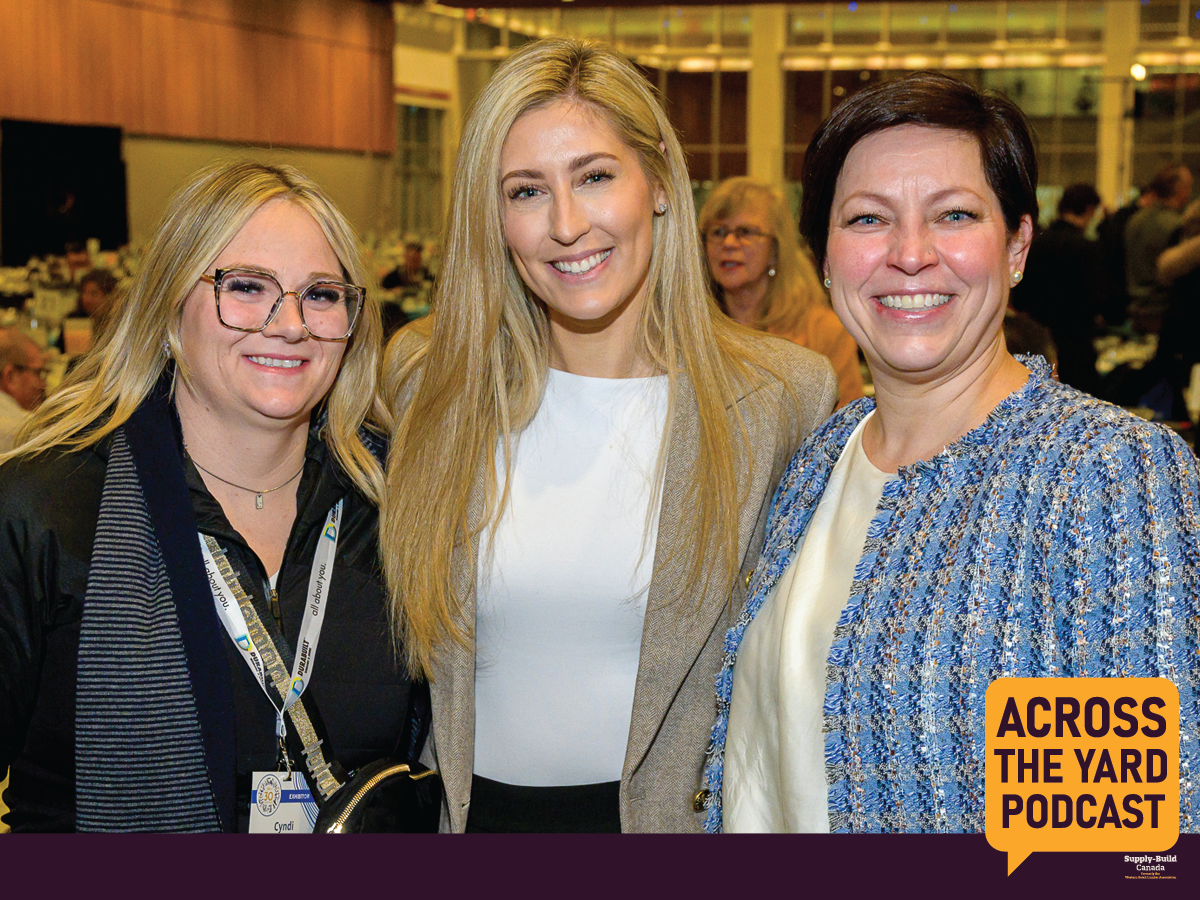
(1065, 288)
(22, 382)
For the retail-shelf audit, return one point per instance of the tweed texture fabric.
(1059, 538)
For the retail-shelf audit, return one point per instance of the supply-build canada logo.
(1084, 764)
(1151, 867)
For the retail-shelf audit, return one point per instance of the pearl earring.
(828, 283)
(1016, 277)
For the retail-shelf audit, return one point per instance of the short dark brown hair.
(1077, 199)
(1006, 143)
(1165, 181)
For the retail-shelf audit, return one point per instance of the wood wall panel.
(284, 73)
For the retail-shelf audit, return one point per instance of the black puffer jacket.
(48, 512)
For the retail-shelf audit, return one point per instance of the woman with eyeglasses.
(763, 279)
(190, 606)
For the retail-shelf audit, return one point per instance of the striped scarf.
(150, 755)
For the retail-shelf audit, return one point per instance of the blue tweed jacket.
(1059, 538)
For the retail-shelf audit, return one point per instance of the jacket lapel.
(678, 626)
(452, 692)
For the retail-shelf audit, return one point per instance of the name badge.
(281, 804)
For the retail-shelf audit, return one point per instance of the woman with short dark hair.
(975, 520)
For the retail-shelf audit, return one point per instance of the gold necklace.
(258, 495)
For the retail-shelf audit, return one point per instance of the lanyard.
(234, 619)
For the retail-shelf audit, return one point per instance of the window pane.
(1036, 21)
(689, 105)
(1190, 82)
(482, 37)
(639, 28)
(806, 25)
(804, 100)
(1033, 90)
(528, 24)
(735, 26)
(731, 129)
(857, 23)
(916, 23)
(732, 162)
(1085, 22)
(699, 164)
(689, 27)
(972, 23)
(1077, 166)
(1078, 92)
(590, 24)
(1159, 19)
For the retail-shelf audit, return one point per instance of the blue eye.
(323, 296)
(524, 192)
(248, 286)
(596, 177)
(959, 215)
(866, 219)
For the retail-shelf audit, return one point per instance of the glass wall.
(417, 172)
(1047, 55)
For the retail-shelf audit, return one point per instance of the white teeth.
(914, 301)
(276, 363)
(583, 265)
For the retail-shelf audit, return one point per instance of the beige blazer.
(674, 702)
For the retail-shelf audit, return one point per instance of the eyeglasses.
(742, 234)
(247, 300)
(40, 371)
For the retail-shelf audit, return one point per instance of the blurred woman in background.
(762, 278)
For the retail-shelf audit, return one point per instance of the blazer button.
(749, 575)
(699, 800)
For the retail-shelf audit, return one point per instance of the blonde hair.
(141, 330)
(478, 381)
(796, 287)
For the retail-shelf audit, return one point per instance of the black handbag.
(386, 795)
(390, 795)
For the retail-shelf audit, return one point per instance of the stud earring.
(662, 209)
(1016, 277)
(828, 283)
(771, 272)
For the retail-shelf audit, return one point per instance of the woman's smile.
(919, 254)
(578, 221)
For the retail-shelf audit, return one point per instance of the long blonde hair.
(141, 330)
(796, 287)
(479, 378)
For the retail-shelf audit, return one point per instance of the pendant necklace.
(258, 495)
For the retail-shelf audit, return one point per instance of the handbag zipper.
(340, 823)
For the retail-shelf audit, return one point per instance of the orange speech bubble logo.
(1081, 764)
